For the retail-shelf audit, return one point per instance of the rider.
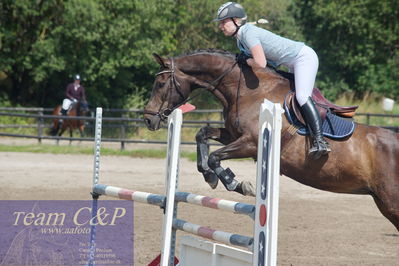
(257, 44)
(74, 92)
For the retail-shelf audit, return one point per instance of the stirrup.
(320, 147)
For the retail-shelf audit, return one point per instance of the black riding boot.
(319, 146)
(63, 111)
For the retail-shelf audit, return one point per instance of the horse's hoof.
(211, 178)
(214, 184)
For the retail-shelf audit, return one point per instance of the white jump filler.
(261, 249)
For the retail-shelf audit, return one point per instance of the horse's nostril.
(147, 122)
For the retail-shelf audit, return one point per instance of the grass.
(372, 104)
(141, 153)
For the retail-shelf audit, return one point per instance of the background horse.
(365, 163)
(77, 109)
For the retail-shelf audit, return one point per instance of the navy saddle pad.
(334, 127)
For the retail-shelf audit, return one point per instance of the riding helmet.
(77, 77)
(230, 10)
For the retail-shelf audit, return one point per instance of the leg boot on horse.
(319, 145)
(209, 164)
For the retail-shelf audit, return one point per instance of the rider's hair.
(240, 21)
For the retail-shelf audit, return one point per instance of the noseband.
(163, 114)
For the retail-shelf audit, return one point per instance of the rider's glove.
(74, 100)
(242, 58)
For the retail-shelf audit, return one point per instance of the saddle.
(335, 122)
(322, 105)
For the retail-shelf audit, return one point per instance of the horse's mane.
(225, 53)
(209, 51)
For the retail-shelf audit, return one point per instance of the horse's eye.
(160, 84)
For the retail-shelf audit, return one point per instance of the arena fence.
(34, 123)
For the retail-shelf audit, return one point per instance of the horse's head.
(171, 88)
(179, 76)
(79, 108)
(84, 108)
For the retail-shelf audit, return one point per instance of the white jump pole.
(97, 147)
(96, 176)
(267, 184)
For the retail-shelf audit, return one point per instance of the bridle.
(163, 114)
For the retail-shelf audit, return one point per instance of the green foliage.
(20, 121)
(110, 43)
(136, 99)
(278, 13)
(43, 43)
(357, 43)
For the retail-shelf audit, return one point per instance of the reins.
(237, 122)
(172, 79)
(214, 84)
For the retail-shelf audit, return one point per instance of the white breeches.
(304, 67)
(66, 104)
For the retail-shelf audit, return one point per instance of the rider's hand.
(74, 100)
(242, 58)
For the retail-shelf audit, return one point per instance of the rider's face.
(227, 26)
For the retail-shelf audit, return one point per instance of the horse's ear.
(160, 60)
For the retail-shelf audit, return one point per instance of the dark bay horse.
(366, 163)
(77, 109)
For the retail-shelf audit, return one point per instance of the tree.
(23, 29)
(43, 43)
(357, 43)
(110, 44)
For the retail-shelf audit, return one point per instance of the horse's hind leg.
(240, 148)
(205, 133)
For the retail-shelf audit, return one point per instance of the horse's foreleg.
(62, 130)
(240, 148)
(205, 133)
(81, 131)
(70, 135)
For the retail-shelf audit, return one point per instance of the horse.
(365, 163)
(77, 109)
